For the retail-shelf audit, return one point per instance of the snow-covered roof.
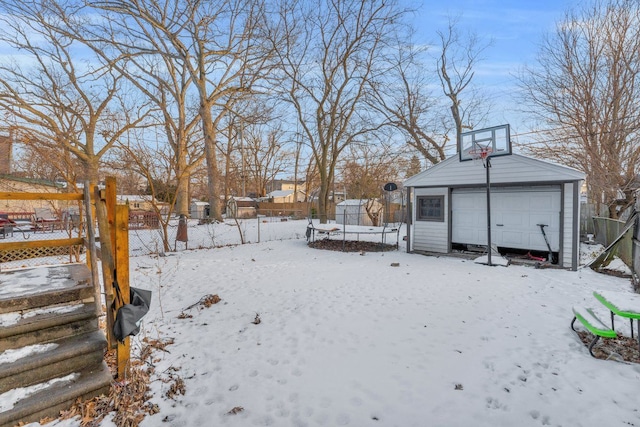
(280, 193)
(354, 202)
(134, 198)
(511, 169)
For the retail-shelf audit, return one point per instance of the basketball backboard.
(497, 139)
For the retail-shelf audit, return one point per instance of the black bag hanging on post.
(129, 315)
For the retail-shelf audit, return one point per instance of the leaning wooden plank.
(608, 252)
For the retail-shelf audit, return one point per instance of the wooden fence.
(607, 230)
(297, 210)
(309, 210)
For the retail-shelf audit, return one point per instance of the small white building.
(354, 212)
(240, 207)
(198, 209)
(448, 206)
(285, 196)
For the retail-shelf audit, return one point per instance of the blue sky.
(515, 28)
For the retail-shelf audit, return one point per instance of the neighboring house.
(13, 184)
(142, 203)
(280, 184)
(447, 206)
(136, 202)
(285, 196)
(337, 196)
(359, 212)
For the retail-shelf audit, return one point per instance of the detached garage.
(448, 207)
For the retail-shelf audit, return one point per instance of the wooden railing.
(114, 250)
(15, 250)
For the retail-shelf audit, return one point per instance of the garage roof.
(513, 169)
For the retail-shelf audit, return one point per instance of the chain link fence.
(147, 234)
(203, 235)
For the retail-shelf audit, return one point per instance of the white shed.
(354, 212)
(198, 209)
(448, 207)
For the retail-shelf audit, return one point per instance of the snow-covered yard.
(350, 339)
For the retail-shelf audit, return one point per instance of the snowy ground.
(350, 339)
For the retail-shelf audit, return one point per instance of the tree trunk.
(182, 188)
(323, 201)
(212, 163)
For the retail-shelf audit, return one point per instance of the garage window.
(431, 208)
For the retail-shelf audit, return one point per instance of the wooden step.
(57, 396)
(43, 325)
(60, 358)
(43, 286)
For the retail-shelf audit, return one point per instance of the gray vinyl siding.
(431, 236)
(514, 173)
(570, 217)
(504, 170)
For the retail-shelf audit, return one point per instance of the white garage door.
(515, 215)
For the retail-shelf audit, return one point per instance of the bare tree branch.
(585, 90)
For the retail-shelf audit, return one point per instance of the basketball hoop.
(480, 153)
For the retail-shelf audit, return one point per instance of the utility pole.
(243, 176)
(295, 171)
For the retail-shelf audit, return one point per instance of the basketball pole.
(487, 166)
(482, 144)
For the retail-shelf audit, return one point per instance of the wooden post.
(122, 277)
(92, 259)
(106, 258)
(110, 200)
(86, 211)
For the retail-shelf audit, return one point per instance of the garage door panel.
(514, 217)
(542, 202)
(511, 239)
(508, 202)
(540, 244)
(547, 219)
(469, 202)
(468, 218)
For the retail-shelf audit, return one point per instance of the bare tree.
(166, 83)
(327, 60)
(155, 165)
(402, 96)
(413, 167)
(266, 156)
(367, 168)
(459, 56)
(218, 43)
(585, 90)
(231, 169)
(429, 121)
(40, 161)
(253, 150)
(59, 97)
